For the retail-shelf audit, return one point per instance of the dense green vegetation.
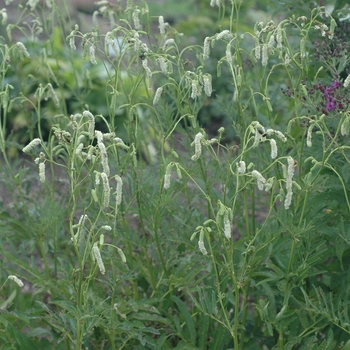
(175, 176)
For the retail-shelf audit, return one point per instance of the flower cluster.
(262, 135)
(335, 48)
(96, 256)
(16, 280)
(331, 52)
(260, 180)
(31, 145)
(289, 182)
(197, 146)
(201, 246)
(119, 190)
(329, 96)
(322, 98)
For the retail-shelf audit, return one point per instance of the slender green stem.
(112, 316)
(130, 254)
(280, 340)
(237, 309)
(291, 257)
(44, 257)
(159, 248)
(79, 293)
(245, 308)
(226, 322)
(246, 214)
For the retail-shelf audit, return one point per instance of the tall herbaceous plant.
(127, 221)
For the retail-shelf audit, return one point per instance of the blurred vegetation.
(83, 85)
(281, 274)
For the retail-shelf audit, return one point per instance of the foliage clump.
(131, 222)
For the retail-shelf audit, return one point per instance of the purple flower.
(329, 93)
(320, 98)
(336, 84)
(330, 105)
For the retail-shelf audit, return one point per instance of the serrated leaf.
(160, 342)
(38, 332)
(269, 328)
(188, 318)
(220, 338)
(177, 324)
(203, 331)
(23, 341)
(64, 304)
(339, 4)
(9, 300)
(143, 316)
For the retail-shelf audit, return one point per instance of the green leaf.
(292, 342)
(64, 304)
(269, 329)
(23, 341)
(203, 331)
(220, 338)
(143, 316)
(9, 300)
(39, 332)
(339, 4)
(160, 342)
(188, 318)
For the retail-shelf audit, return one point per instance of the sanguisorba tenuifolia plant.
(160, 234)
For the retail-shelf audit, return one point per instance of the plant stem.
(246, 214)
(280, 340)
(156, 236)
(236, 320)
(245, 307)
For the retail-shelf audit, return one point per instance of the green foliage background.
(269, 276)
